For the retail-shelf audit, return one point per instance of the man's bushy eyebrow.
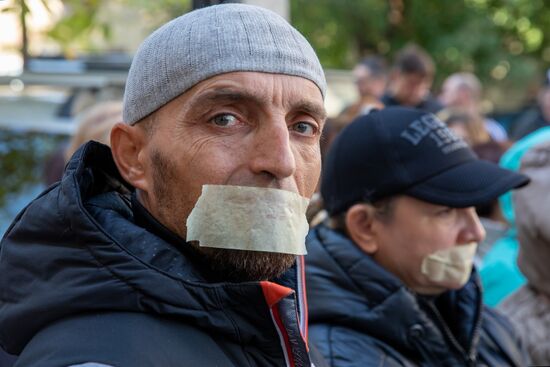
(310, 108)
(230, 95)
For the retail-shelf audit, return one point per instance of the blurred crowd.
(514, 231)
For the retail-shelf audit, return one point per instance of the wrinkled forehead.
(264, 90)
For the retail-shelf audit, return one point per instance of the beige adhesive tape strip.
(452, 265)
(249, 218)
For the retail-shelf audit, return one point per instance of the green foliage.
(75, 29)
(163, 10)
(156, 13)
(499, 40)
(83, 28)
(22, 157)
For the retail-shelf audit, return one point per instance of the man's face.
(417, 229)
(368, 84)
(450, 93)
(241, 128)
(410, 89)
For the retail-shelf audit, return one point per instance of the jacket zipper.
(477, 325)
(469, 357)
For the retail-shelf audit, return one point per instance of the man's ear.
(128, 144)
(360, 226)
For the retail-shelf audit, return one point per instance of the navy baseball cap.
(404, 151)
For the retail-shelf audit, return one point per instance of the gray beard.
(244, 266)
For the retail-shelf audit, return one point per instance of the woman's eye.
(305, 128)
(446, 211)
(224, 120)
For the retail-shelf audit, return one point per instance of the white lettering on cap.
(431, 126)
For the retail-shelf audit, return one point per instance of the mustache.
(263, 180)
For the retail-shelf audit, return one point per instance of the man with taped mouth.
(179, 246)
(389, 276)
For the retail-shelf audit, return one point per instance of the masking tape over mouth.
(452, 265)
(249, 218)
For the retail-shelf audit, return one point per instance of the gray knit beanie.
(211, 41)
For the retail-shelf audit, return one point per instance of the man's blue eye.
(304, 128)
(224, 120)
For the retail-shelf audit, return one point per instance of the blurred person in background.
(390, 275)
(144, 254)
(95, 124)
(370, 77)
(490, 213)
(529, 307)
(536, 117)
(467, 126)
(54, 164)
(499, 272)
(464, 91)
(411, 78)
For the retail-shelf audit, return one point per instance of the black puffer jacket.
(362, 315)
(82, 282)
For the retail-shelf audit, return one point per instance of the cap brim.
(469, 184)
